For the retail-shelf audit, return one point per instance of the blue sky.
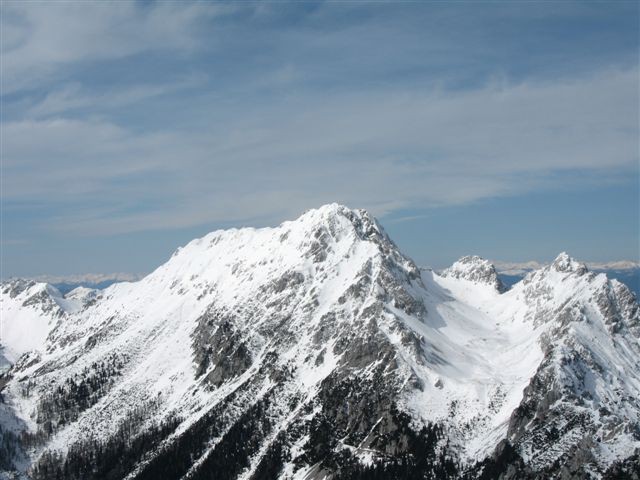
(505, 129)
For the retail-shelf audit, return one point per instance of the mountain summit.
(316, 349)
(475, 269)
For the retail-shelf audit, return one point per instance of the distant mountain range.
(66, 283)
(627, 272)
(318, 350)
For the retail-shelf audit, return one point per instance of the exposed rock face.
(316, 349)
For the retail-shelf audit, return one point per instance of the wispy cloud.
(39, 38)
(382, 151)
(72, 97)
(14, 241)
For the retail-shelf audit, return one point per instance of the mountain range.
(625, 271)
(317, 349)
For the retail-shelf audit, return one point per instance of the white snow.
(25, 328)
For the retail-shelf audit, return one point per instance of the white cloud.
(40, 38)
(73, 96)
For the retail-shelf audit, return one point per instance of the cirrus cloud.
(385, 151)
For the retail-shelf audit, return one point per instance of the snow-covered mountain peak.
(82, 296)
(328, 210)
(475, 269)
(319, 244)
(341, 220)
(565, 263)
(37, 295)
(29, 310)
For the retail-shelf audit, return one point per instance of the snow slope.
(29, 312)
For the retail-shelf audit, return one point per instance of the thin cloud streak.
(72, 97)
